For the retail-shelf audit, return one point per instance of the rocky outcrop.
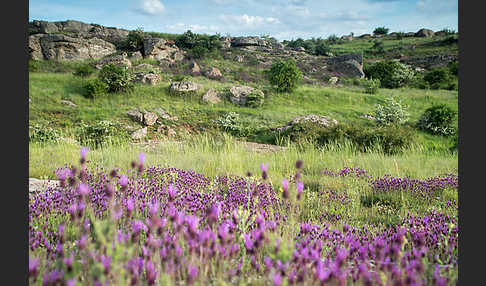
(79, 29)
(248, 41)
(195, 69)
(214, 73)
(424, 33)
(139, 134)
(148, 78)
(62, 47)
(119, 60)
(348, 65)
(430, 62)
(240, 94)
(149, 118)
(183, 88)
(135, 115)
(324, 121)
(160, 49)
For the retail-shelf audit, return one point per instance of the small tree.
(392, 74)
(381, 31)
(438, 120)
(117, 78)
(285, 75)
(134, 41)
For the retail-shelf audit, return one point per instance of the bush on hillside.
(381, 31)
(100, 134)
(391, 73)
(198, 45)
(438, 78)
(134, 41)
(43, 133)
(372, 86)
(84, 70)
(95, 88)
(284, 75)
(391, 112)
(116, 77)
(389, 139)
(438, 120)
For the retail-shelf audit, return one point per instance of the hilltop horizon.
(283, 20)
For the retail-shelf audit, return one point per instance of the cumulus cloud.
(249, 21)
(150, 7)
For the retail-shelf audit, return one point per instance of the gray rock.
(135, 115)
(139, 134)
(149, 118)
(324, 121)
(136, 56)
(160, 49)
(119, 60)
(35, 49)
(424, 33)
(214, 73)
(195, 69)
(62, 47)
(239, 94)
(148, 78)
(68, 103)
(211, 96)
(183, 88)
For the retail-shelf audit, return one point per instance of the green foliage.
(379, 47)
(199, 45)
(255, 99)
(43, 133)
(378, 198)
(100, 134)
(95, 88)
(117, 78)
(381, 31)
(372, 86)
(391, 73)
(232, 123)
(322, 49)
(84, 70)
(453, 68)
(439, 78)
(284, 75)
(179, 77)
(438, 119)
(388, 139)
(391, 113)
(34, 66)
(314, 46)
(134, 41)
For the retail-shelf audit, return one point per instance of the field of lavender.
(157, 225)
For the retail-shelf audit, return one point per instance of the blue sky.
(282, 19)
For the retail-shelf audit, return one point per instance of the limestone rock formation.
(119, 60)
(211, 96)
(324, 121)
(239, 94)
(183, 88)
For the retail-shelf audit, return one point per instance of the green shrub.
(43, 133)
(116, 77)
(100, 134)
(389, 139)
(198, 45)
(372, 86)
(438, 119)
(391, 73)
(453, 68)
(198, 52)
(84, 70)
(383, 199)
(34, 66)
(284, 75)
(381, 31)
(322, 49)
(438, 78)
(379, 47)
(391, 113)
(179, 77)
(255, 99)
(134, 41)
(95, 88)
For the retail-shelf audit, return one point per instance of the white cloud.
(151, 7)
(248, 21)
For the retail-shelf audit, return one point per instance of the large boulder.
(135, 115)
(35, 49)
(195, 69)
(248, 41)
(61, 47)
(240, 94)
(148, 78)
(183, 88)
(214, 73)
(348, 65)
(211, 96)
(424, 33)
(119, 60)
(324, 121)
(160, 49)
